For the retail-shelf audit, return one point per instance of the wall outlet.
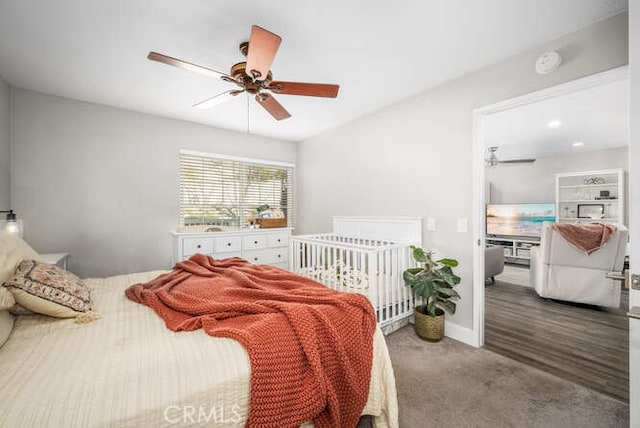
(462, 225)
(431, 224)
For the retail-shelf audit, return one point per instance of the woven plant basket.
(429, 328)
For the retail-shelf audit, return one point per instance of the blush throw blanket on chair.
(310, 347)
(586, 237)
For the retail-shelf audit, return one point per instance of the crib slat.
(358, 265)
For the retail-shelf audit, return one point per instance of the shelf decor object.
(594, 180)
(592, 211)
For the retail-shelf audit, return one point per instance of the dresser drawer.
(192, 246)
(227, 255)
(253, 242)
(278, 239)
(227, 244)
(267, 256)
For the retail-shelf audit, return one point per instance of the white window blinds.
(226, 191)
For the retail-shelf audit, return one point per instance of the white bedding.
(128, 370)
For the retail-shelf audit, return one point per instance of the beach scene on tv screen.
(518, 219)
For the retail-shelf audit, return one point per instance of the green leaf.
(448, 306)
(419, 254)
(449, 262)
(447, 292)
(431, 308)
(449, 277)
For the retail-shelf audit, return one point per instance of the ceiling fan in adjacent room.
(254, 76)
(493, 160)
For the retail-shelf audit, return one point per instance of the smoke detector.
(547, 62)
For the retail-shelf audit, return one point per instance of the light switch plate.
(431, 224)
(635, 281)
(462, 225)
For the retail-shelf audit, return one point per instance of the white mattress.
(129, 370)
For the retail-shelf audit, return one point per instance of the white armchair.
(560, 271)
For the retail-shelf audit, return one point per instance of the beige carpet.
(450, 384)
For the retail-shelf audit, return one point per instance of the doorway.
(534, 160)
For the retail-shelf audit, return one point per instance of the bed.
(127, 369)
(365, 255)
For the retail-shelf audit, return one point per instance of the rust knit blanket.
(310, 347)
(585, 237)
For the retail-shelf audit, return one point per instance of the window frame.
(288, 167)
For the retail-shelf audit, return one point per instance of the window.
(226, 191)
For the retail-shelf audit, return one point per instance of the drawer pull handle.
(279, 255)
(255, 242)
(255, 259)
(198, 246)
(228, 244)
(278, 239)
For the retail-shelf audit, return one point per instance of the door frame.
(479, 153)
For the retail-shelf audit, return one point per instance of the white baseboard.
(461, 334)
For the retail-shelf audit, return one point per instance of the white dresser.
(261, 246)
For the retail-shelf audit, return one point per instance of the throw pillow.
(13, 250)
(49, 290)
(6, 299)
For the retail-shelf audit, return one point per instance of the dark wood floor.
(584, 344)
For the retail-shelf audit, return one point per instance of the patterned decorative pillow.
(49, 290)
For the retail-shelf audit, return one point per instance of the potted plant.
(434, 281)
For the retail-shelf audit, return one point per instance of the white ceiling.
(598, 117)
(378, 51)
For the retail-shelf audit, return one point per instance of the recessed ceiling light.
(577, 144)
(554, 124)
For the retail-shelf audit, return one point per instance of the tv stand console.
(516, 250)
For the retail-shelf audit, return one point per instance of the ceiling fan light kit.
(254, 76)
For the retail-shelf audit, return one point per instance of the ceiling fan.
(493, 160)
(254, 76)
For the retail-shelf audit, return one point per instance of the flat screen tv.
(518, 220)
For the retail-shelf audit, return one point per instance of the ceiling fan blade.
(218, 99)
(307, 89)
(263, 46)
(272, 106)
(155, 56)
(517, 161)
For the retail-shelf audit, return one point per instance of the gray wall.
(414, 158)
(102, 183)
(536, 182)
(5, 107)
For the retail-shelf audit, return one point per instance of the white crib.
(365, 255)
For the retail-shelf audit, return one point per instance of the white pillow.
(6, 325)
(6, 299)
(13, 250)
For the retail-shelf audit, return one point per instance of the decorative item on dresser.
(259, 246)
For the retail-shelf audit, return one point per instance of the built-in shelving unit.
(590, 196)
